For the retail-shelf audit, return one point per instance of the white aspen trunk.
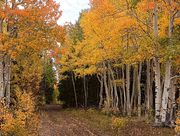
(106, 91)
(172, 103)
(111, 90)
(167, 72)
(106, 87)
(119, 89)
(4, 71)
(1, 68)
(8, 89)
(7, 79)
(133, 87)
(116, 96)
(101, 91)
(139, 89)
(2, 93)
(115, 88)
(166, 91)
(158, 92)
(128, 90)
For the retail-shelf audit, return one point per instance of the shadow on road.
(52, 107)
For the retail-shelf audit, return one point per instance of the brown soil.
(54, 122)
(57, 122)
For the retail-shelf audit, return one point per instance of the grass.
(117, 126)
(93, 118)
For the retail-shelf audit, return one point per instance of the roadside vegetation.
(100, 124)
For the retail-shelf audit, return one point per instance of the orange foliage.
(23, 120)
(34, 25)
(30, 30)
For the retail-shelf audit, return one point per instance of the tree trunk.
(121, 98)
(157, 69)
(139, 89)
(119, 89)
(2, 90)
(74, 89)
(172, 103)
(148, 87)
(100, 92)
(151, 84)
(7, 72)
(158, 92)
(133, 86)
(167, 72)
(111, 89)
(165, 91)
(128, 90)
(106, 88)
(85, 92)
(135, 103)
(115, 88)
(124, 92)
(1, 68)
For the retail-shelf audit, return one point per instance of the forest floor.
(56, 121)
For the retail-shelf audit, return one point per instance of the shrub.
(118, 122)
(22, 120)
(55, 95)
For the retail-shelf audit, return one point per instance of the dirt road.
(56, 123)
